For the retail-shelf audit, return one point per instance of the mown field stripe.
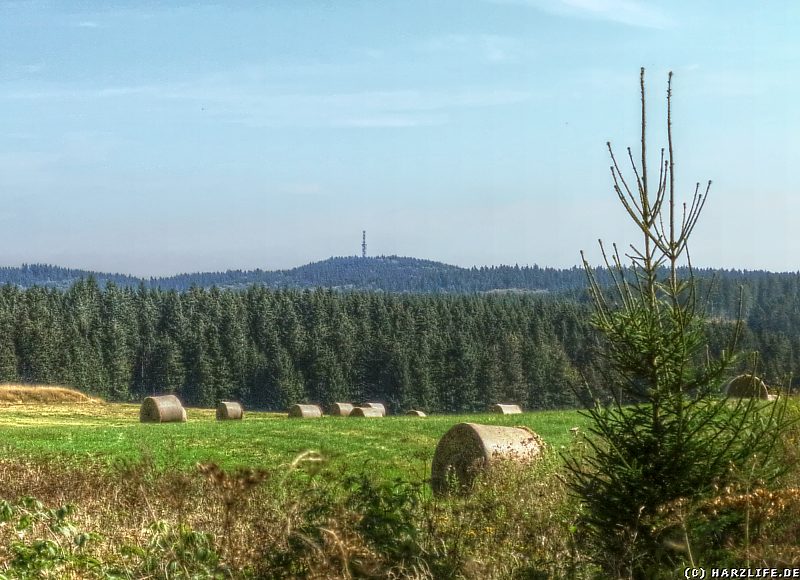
(108, 433)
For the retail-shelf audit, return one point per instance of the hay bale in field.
(505, 409)
(341, 409)
(468, 448)
(415, 413)
(378, 406)
(746, 387)
(305, 411)
(366, 412)
(229, 411)
(162, 409)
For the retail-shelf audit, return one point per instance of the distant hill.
(29, 275)
(382, 273)
(390, 274)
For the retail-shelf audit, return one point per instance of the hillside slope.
(382, 273)
(394, 274)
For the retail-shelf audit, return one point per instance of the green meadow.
(116, 498)
(106, 434)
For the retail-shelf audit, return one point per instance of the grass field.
(134, 490)
(104, 434)
(138, 506)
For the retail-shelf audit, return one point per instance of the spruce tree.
(667, 434)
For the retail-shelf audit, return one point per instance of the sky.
(153, 138)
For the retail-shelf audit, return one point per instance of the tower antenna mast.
(363, 243)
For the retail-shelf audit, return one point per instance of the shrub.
(61, 553)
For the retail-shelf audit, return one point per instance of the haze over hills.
(381, 273)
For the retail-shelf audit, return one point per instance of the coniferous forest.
(396, 274)
(271, 348)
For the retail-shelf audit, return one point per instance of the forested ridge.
(381, 273)
(384, 273)
(271, 348)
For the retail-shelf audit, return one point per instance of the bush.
(62, 553)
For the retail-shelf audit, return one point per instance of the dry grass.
(67, 415)
(123, 506)
(312, 524)
(518, 522)
(16, 394)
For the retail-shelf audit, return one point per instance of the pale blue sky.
(153, 138)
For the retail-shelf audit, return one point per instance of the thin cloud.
(391, 121)
(374, 53)
(300, 189)
(735, 84)
(230, 101)
(490, 48)
(387, 109)
(629, 12)
(80, 94)
(396, 100)
(19, 70)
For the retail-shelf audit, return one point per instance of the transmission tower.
(363, 243)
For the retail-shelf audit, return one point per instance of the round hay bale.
(378, 406)
(366, 412)
(162, 409)
(341, 409)
(415, 413)
(505, 409)
(305, 411)
(746, 387)
(229, 411)
(468, 448)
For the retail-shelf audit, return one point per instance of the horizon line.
(357, 257)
